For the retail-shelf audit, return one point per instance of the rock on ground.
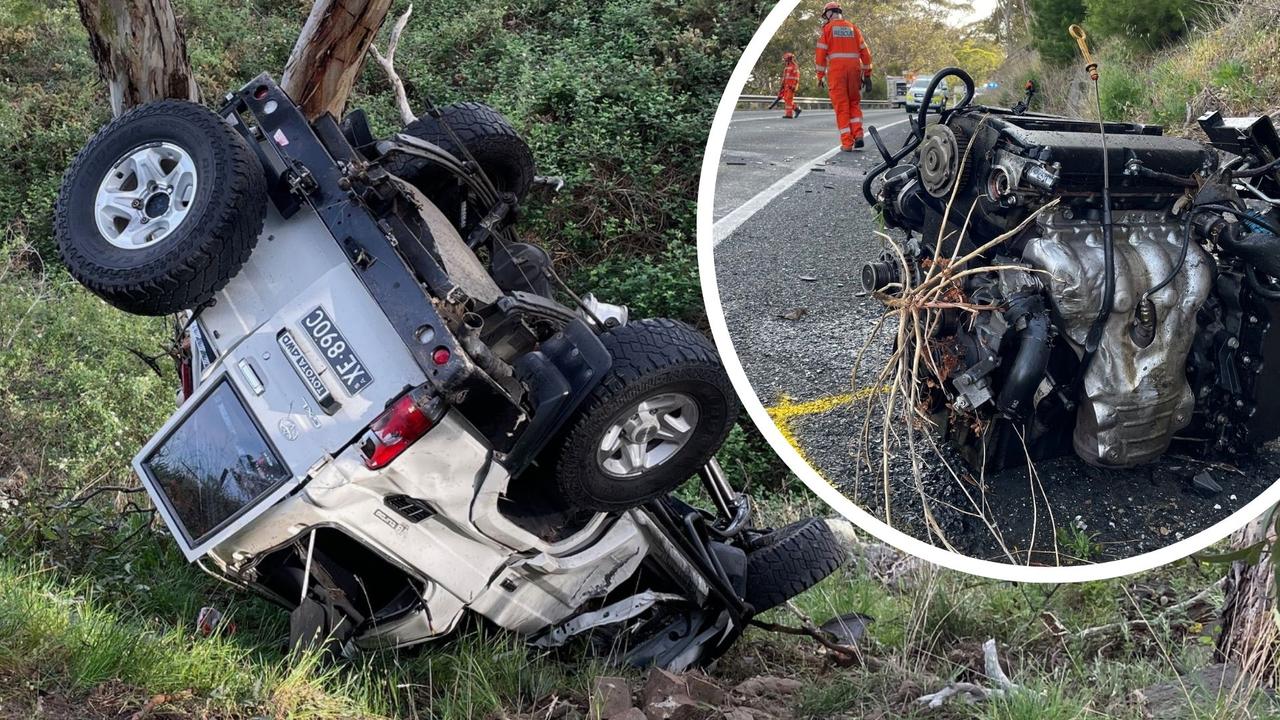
(1189, 696)
(610, 698)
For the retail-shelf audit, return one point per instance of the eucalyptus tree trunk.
(140, 51)
(330, 52)
(1249, 635)
(142, 54)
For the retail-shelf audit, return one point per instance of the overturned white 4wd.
(386, 416)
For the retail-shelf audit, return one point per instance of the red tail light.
(186, 375)
(185, 378)
(396, 429)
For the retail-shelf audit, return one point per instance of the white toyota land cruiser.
(386, 416)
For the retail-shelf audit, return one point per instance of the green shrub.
(51, 108)
(614, 96)
(1229, 72)
(1233, 80)
(1049, 22)
(1123, 92)
(1142, 25)
(750, 463)
(660, 285)
(1015, 89)
(1155, 93)
(1169, 105)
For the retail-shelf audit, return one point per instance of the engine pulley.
(939, 159)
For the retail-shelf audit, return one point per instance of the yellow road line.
(787, 411)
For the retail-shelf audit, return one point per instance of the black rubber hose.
(922, 115)
(1182, 255)
(1099, 325)
(918, 132)
(912, 143)
(1108, 285)
(1256, 171)
(1028, 367)
(1260, 250)
(1165, 177)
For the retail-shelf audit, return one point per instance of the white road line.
(725, 226)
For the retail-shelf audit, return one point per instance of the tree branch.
(388, 63)
(842, 655)
(972, 692)
(1136, 623)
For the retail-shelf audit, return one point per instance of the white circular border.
(806, 473)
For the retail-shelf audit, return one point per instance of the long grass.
(928, 626)
(60, 635)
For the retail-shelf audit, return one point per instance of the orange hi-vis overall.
(790, 81)
(843, 57)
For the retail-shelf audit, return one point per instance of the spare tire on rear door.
(657, 416)
(161, 208)
(499, 150)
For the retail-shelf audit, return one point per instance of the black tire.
(650, 358)
(499, 150)
(207, 247)
(789, 561)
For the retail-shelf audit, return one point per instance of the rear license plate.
(336, 351)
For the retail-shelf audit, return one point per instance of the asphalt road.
(787, 266)
(761, 148)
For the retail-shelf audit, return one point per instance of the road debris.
(1205, 484)
(211, 620)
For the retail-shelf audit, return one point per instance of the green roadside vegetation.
(905, 37)
(1165, 62)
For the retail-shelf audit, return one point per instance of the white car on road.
(915, 95)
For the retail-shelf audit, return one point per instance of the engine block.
(1012, 377)
(1133, 398)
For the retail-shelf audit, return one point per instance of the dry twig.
(388, 63)
(972, 692)
(1144, 622)
(842, 655)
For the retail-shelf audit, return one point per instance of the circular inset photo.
(993, 314)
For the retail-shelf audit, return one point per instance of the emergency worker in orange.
(844, 62)
(790, 81)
